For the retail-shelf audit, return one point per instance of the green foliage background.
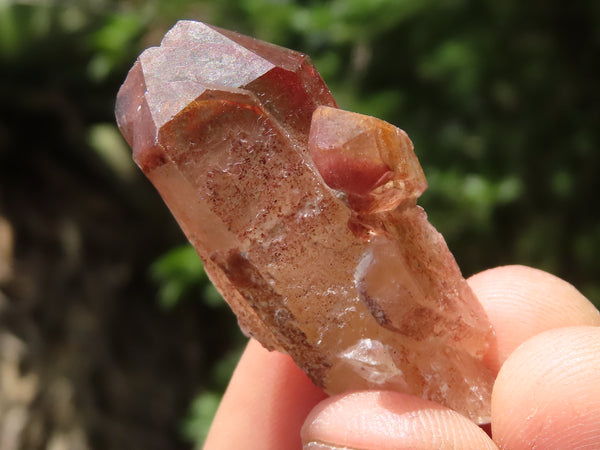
(501, 100)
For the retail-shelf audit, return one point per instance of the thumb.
(389, 420)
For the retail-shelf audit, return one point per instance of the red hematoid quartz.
(305, 217)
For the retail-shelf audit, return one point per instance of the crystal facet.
(305, 217)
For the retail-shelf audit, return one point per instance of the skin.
(547, 394)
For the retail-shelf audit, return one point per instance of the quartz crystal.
(305, 217)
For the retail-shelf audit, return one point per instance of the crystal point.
(305, 217)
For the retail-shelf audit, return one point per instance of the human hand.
(547, 393)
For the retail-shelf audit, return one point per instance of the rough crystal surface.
(305, 217)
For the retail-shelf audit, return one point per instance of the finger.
(522, 302)
(265, 405)
(389, 420)
(547, 394)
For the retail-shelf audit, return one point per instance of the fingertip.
(547, 394)
(265, 405)
(389, 420)
(522, 301)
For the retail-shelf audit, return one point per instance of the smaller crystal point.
(345, 149)
(370, 160)
(326, 258)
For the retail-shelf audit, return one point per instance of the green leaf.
(112, 41)
(202, 411)
(176, 273)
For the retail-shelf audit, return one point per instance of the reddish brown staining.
(288, 99)
(376, 311)
(269, 306)
(347, 173)
(420, 322)
(152, 158)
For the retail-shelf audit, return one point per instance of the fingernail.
(324, 446)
